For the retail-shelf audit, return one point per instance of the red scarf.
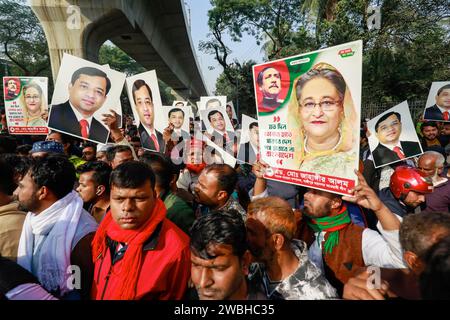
(195, 168)
(132, 260)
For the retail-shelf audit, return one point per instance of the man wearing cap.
(390, 149)
(407, 189)
(44, 148)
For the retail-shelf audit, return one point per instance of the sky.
(247, 49)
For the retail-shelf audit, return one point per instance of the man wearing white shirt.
(390, 149)
(87, 93)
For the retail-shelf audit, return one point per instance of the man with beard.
(430, 135)
(93, 188)
(407, 189)
(57, 231)
(339, 247)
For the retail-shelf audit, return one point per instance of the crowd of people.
(116, 221)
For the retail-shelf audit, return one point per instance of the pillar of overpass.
(64, 27)
(153, 33)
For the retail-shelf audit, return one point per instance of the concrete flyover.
(154, 33)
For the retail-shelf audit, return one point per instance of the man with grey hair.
(432, 164)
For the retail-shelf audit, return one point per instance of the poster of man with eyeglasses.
(26, 105)
(309, 110)
(392, 136)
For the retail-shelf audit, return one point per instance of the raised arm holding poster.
(26, 109)
(309, 113)
(145, 101)
(392, 136)
(438, 102)
(84, 91)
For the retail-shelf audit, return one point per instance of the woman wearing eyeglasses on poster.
(323, 110)
(35, 105)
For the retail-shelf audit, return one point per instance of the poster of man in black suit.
(89, 87)
(151, 138)
(248, 152)
(219, 129)
(390, 147)
(440, 110)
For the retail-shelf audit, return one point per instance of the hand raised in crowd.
(111, 119)
(357, 288)
(259, 168)
(167, 133)
(364, 195)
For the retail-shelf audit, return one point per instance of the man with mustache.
(269, 82)
(390, 149)
(11, 91)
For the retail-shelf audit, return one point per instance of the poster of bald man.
(148, 112)
(84, 94)
(438, 102)
(392, 136)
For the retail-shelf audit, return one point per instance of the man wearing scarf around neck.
(57, 231)
(138, 253)
(341, 248)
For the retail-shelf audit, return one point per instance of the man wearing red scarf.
(138, 253)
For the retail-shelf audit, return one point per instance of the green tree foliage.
(411, 49)
(22, 40)
(241, 93)
(400, 60)
(120, 61)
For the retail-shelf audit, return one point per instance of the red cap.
(405, 179)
